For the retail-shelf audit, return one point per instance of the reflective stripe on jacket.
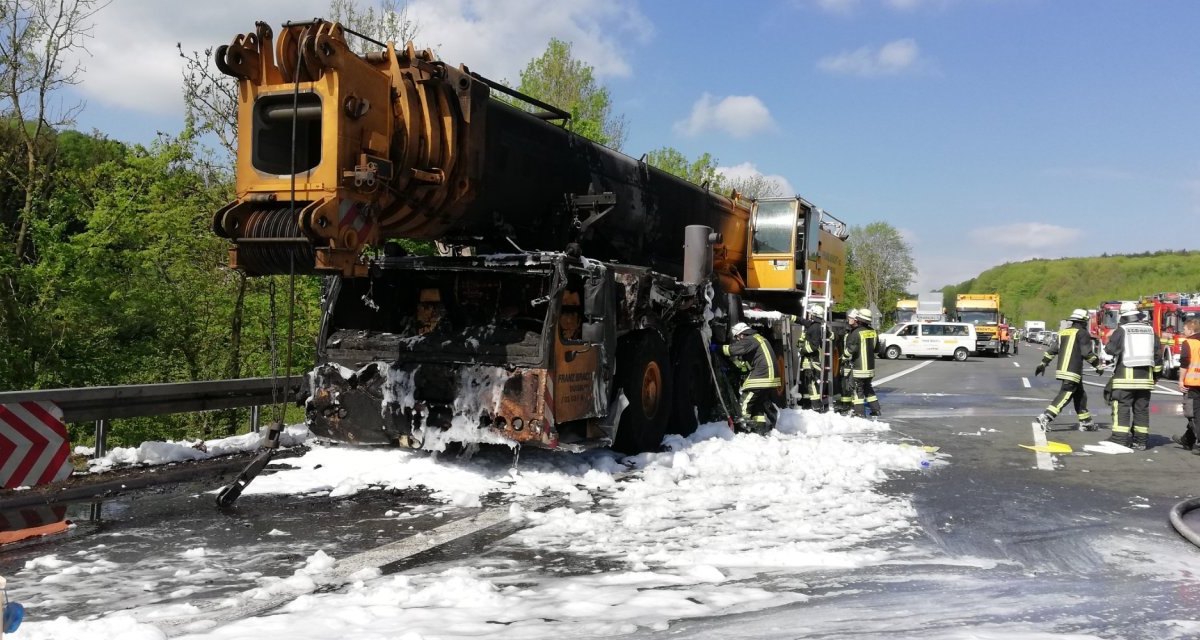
(814, 336)
(1072, 349)
(755, 349)
(860, 348)
(1189, 362)
(1126, 376)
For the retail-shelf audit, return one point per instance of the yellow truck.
(983, 311)
(906, 311)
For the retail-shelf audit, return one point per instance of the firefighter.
(762, 381)
(1073, 347)
(840, 385)
(860, 352)
(1137, 364)
(1189, 383)
(811, 346)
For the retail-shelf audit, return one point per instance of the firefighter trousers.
(1070, 391)
(758, 410)
(1131, 411)
(1191, 409)
(864, 397)
(810, 392)
(844, 388)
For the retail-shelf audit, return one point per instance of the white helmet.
(740, 328)
(864, 315)
(1078, 315)
(816, 310)
(1129, 308)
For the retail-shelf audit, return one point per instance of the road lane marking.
(905, 372)
(1025, 381)
(1161, 390)
(1044, 461)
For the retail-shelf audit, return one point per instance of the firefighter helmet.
(816, 310)
(1078, 315)
(1129, 308)
(740, 328)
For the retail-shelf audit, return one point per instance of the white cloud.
(842, 7)
(498, 39)
(848, 7)
(913, 5)
(134, 65)
(748, 170)
(1028, 235)
(894, 58)
(738, 116)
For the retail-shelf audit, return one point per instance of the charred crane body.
(578, 289)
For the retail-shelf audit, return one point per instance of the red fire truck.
(1167, 312)
(1101, 323)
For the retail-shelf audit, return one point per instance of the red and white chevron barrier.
(33, 445)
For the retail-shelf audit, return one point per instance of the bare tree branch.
(41, 36)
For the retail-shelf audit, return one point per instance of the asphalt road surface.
(1076, 543)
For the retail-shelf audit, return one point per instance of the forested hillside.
(1049, 289)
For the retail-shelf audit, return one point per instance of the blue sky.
(986, 130)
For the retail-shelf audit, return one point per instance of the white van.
(938, 339)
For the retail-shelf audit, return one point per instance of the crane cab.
(789, 238)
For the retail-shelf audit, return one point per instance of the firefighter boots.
(1044, 421)
(1120, 438)
(1087, 425)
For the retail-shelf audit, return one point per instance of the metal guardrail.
(101, 404)
(86, 404)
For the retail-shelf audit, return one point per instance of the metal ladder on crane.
(820, 292)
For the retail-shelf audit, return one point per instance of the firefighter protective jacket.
(1189, 361)
(755, 349)
(1073, 347)
(1133, 377)
(815, 339)
(860, 351)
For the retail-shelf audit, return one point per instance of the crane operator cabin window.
(773, 226)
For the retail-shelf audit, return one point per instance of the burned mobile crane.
(576, 279)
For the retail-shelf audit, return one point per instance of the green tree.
(701, 171)
(559, 79)
(883, 262)
(35, 45)
(1048, 290)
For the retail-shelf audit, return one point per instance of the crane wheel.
(644, 375)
